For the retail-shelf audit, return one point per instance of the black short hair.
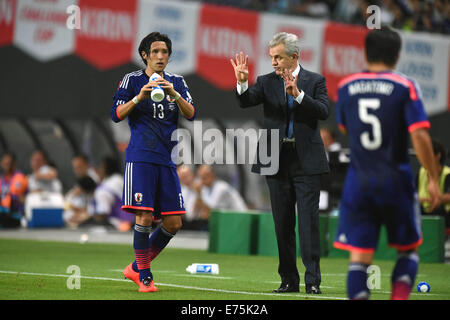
(87, 184)
(439, 148)
(146, 43)
(383, 45)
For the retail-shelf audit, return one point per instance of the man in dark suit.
(293, 100)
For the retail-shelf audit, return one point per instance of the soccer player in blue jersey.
(377, 108)
(151, 185)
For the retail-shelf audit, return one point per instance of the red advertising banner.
(7, 16)
(222, 32)
(343, 53)
(108, 29)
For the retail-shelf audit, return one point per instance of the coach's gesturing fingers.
(240, 66)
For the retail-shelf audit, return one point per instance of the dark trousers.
(287, 188)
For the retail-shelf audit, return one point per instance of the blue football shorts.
(363, 212)
(152, 187)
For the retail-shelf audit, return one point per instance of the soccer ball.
(423, 287)
(84, 238)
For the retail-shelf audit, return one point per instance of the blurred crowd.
(408, 15)
(95, 198)
(94, 201)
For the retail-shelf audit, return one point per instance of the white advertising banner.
(41, 29)
(176, 19)
(425, 58)
(309, 32)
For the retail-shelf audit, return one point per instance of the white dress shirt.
(222, 195)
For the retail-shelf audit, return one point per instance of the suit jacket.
(269, 91)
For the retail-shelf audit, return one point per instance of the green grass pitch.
(38, 270)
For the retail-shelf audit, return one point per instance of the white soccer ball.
(84, 238)
(423, 287)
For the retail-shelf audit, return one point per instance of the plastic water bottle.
(157, 92)
(203, 268)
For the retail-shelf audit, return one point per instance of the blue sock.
(158, 241)
(142, 250)
(357, 282)
(404, 274)
(134, 266)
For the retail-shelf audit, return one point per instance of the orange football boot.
(147, 285)
(130, 274)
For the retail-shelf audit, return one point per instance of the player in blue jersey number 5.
(151, 185)
(379, 108)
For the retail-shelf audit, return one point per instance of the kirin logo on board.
(343, 53)
(107, 32)
(222, 33)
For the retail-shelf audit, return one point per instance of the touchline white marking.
(183, 275)
(212, 277)
(199, 288)
(200, 276)
(179, 286)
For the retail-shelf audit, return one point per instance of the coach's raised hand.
(240, 67)
(290, 82)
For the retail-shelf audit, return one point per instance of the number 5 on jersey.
(373, 121)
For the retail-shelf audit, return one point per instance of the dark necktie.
(290, 101)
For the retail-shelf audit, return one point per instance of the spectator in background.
(311, 8)
(440, 156)
(13, 186)
(213, 193)
(333, 182)
(278, 6)
(346, 10)
(44, 176)
(407, 15)
(192, 219)
(81, 167)
(44, 187)
(332, 147)
(105, 208)
(77, 199)
(442, 15)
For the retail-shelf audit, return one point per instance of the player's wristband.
(177, 96)
(135, 100)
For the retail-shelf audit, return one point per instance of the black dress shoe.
(287, 287)
(313, 289)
